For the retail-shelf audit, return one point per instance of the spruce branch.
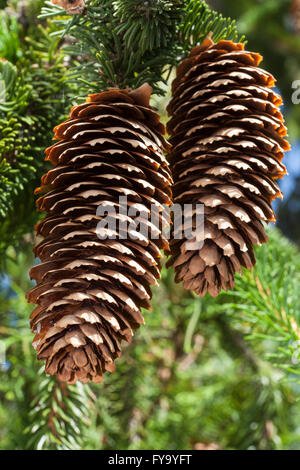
(152, 24)
(30, 105)
(119, 44)
(126, 43)
(199, 21)
(59, 413)
(10, 46)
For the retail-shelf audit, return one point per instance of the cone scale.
(90, 291)
(227, 137)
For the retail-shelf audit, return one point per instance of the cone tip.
(142, 94)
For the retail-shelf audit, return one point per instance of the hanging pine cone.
(89, 290)
(228, 142)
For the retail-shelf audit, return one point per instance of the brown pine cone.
(89, 290)
(228, 142)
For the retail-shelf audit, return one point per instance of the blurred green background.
(203, 373)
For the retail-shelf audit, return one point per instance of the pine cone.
(227, 135)
(89, 290)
